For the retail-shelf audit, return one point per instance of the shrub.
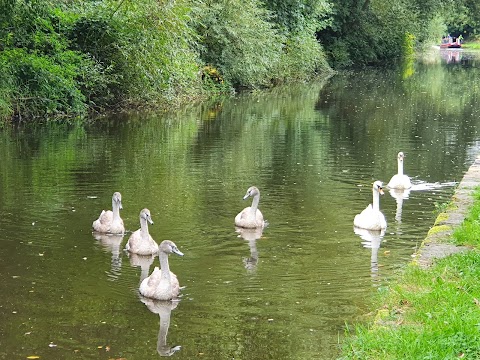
(42, 76)
(156, 43)
(6, 91)
(238, 39)
(302, 57)
(44, 86)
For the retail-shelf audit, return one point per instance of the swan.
(141, 242)
(162, 284)
(371, 218)
(251, 217)
(400, 181)
(110, 221)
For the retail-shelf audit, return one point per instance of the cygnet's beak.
(120, 206)
(246, 196)
(176, 251)
(150, 220)
(380, 190)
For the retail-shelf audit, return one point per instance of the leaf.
(31, 357)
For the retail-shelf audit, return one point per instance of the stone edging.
(436, 244)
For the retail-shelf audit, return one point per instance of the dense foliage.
(238, 39)
(68, 58)
(462, 17)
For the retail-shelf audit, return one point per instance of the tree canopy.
(69, 58)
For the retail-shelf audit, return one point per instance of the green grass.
(469, 232)
(429, 314)
(473, 45)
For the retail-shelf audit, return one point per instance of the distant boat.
(449, 42)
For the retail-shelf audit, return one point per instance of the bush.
(42, 76)
(6, 91)
(156, 43)
(97, 38)
(370, 34)
(43, 86)
(66, 58)
(303, 56)
(238, 39)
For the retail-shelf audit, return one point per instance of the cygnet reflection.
(142, 261)
(371, 239)
(399, 196)
(112, 244)
(251, 235)
(164, 310)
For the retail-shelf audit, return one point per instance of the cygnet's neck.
(376, 200)
(163, 257)
(254, 207)
(115, 210)
(144, 228)
(400, 167)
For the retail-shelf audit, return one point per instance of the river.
(313, 150)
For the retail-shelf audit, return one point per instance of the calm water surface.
(287, 293)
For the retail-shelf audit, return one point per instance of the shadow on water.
(284, 293)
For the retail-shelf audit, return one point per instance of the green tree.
(238, 39)
(299, 21)
(255, 45)
(461, 17)
(294, 16)
(374, 31)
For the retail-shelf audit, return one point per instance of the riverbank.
(432, 311)
(472, 44)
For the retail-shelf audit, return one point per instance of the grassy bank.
(471, 45)
(433, 312)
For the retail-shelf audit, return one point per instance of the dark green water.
(313, 150)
